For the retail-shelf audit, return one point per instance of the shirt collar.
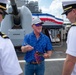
(34, 34)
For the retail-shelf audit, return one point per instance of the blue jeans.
(37, 69)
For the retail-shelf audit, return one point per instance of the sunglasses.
(66, 13)
(3, 14)
(37, 25)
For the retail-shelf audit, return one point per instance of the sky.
(53, 7)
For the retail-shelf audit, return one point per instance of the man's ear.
(74, 10)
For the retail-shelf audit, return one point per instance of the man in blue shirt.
(37, 47)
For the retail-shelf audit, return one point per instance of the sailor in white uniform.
(9, 64)
(69, 68)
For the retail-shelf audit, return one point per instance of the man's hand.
(27, 48)
(46, 55)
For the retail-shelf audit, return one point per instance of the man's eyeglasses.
(38, 24)
(66, 13)
(3, 14)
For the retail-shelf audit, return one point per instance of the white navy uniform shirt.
(9, 64)
(71, 45)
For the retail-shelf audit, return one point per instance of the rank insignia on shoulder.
(74, 24)
(3, 35)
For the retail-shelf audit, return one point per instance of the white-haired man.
(37, 47)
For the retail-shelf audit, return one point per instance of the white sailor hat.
(68, 5)
(36, 21)
(3, 4)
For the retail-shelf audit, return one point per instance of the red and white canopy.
(48, 17)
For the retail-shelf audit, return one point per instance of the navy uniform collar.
(73, 24)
